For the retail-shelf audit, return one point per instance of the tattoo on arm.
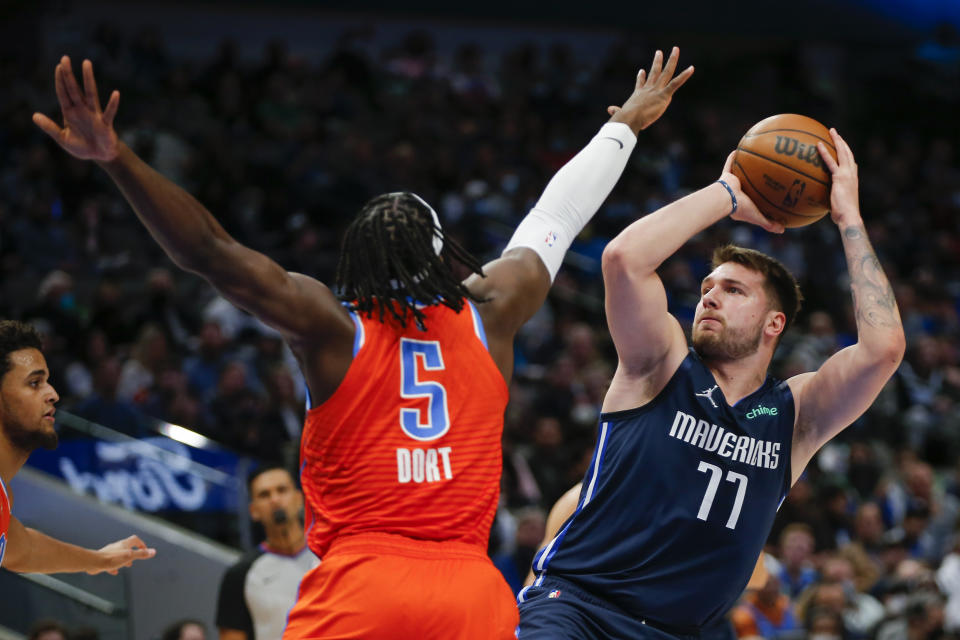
(873, 300)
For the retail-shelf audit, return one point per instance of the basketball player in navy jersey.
(697, 447)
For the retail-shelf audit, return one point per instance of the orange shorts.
(380, 586)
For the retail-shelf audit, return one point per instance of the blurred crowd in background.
(283, 150)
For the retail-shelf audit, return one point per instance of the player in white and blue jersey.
(697, 447)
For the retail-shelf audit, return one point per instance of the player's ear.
(776, 323)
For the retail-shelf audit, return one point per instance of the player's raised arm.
(30, 551)
(644, 333)
(517, 283)
(849, 381)
(294, 304)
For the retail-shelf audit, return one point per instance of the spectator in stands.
(867, 545)
(796, 553)
(185, 630)
(47, 630)
(531, 525)
(765, 612)
(862, 612)
(147, 358)
(104, 407)
(203, 369)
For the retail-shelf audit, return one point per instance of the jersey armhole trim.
(542, 559)
(478, 324)
(359, 336)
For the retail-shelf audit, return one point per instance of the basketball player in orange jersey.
(26, 422)
(407, 370)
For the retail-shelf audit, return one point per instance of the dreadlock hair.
(388, 263)
(14, 336)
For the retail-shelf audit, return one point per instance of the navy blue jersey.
(678, 501)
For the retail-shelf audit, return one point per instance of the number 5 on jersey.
(417, 356)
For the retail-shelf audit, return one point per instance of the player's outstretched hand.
(845, 188)
(746, 210)
(87, 131)
(122, 553)
(652, 93)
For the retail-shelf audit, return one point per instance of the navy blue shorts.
(557, 610)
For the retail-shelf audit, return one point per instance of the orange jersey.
(409, 443)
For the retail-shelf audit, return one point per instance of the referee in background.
(257, 593)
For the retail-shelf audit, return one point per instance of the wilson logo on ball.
(794, 148)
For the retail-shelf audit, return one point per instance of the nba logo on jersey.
(554, 594)
(551, 238)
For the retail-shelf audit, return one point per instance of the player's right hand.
(652, 93)
(121, 553)
(746, 210)
(87, 131)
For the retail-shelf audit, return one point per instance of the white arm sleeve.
(574, 194)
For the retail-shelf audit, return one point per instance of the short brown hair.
(781, 287)
(796, 527)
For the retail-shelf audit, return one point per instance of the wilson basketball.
(781, 170)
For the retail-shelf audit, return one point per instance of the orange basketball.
(781, 170)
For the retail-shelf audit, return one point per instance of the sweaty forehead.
(26, 361)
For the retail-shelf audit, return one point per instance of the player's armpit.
(515, 286)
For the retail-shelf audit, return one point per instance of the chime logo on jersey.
(761, 411)
(554, 594)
